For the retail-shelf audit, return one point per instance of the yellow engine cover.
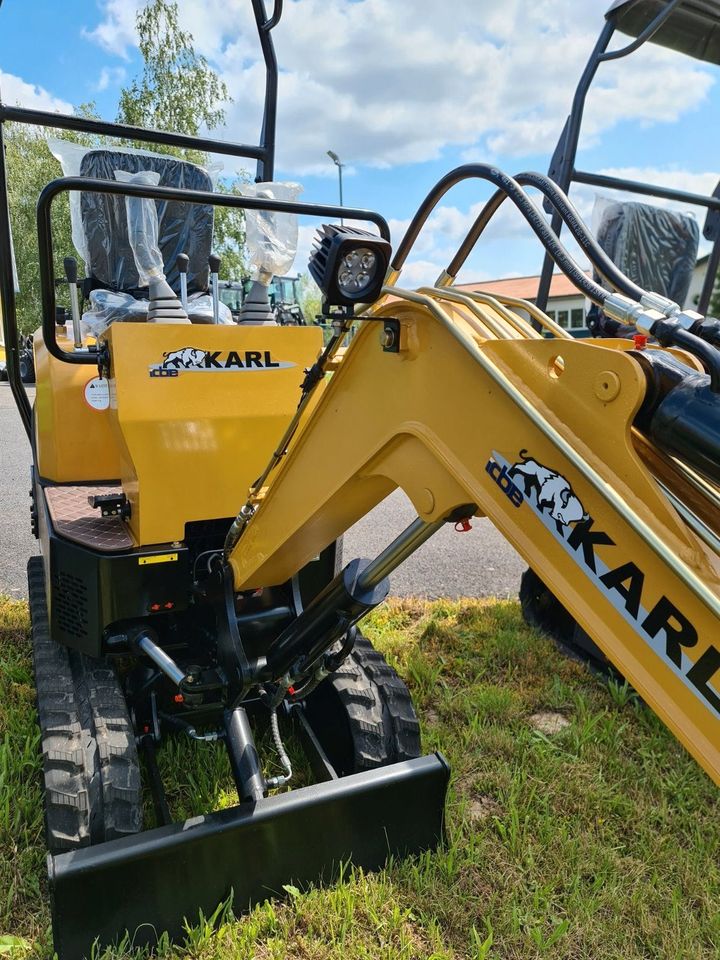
(197, 412)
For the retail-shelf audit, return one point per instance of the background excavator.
(159, 608)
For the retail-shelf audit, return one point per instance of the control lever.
(70, 265)
(182, 261)
(214, 264)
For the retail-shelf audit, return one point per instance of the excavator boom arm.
(538, 434)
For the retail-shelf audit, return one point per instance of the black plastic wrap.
(183, 227)
(656, 248)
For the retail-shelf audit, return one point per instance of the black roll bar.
(7, 301)
(562, 166)
(124, 131)
(264, 152)
(151, 192)
(266, 163)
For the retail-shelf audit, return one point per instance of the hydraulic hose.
(572, 220)
(509, 187)
(282, 753)
(313, 376)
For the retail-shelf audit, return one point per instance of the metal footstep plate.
(149, 883)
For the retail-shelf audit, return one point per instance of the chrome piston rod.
(161, 660)
(395, 553)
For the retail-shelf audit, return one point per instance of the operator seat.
(655, 247)
(183, 227)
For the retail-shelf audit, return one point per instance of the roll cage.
(263, 153)
(691, 27)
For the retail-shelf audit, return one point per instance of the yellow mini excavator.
(159, 608)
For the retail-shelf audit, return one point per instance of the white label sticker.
(97, 394)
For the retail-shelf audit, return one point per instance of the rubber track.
(541, 609)
(90, 762)
(383, 723)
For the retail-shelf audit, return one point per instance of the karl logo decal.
(662, 626)
(194, 359)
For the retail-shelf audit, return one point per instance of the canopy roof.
(693, 28)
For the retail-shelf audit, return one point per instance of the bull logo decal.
(184, 359)
(551, 492)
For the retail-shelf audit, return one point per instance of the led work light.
(348, 264)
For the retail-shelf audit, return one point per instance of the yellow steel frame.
(471, 392)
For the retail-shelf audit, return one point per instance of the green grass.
(601, 840)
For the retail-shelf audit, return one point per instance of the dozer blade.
(151, 882)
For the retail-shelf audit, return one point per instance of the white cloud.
(110, 77)
(420, 273)
(17, 92)
(382, 87)
(116, 31)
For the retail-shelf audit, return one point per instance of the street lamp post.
(336, 160)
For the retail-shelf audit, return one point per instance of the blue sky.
(402, 90)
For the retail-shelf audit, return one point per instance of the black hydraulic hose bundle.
(572, 220)
(509, 187)
(673, 333)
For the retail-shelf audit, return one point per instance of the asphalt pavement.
(479, 563)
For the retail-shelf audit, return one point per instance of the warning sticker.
(97, 394)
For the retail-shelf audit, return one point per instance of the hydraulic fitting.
(633, 314)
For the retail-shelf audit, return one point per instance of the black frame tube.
(162, 810)
(647, 189)
(124, 131)
(566, 149)
(45, 248)
(709, 281)
(647, 34)
(7, 302)
(266, 162)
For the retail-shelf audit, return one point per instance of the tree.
(176, 90)
(30, 166)
(310, 297)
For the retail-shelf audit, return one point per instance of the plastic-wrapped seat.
(183, 227)
(655, 247)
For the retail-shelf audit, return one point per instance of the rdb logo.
(501, 478)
